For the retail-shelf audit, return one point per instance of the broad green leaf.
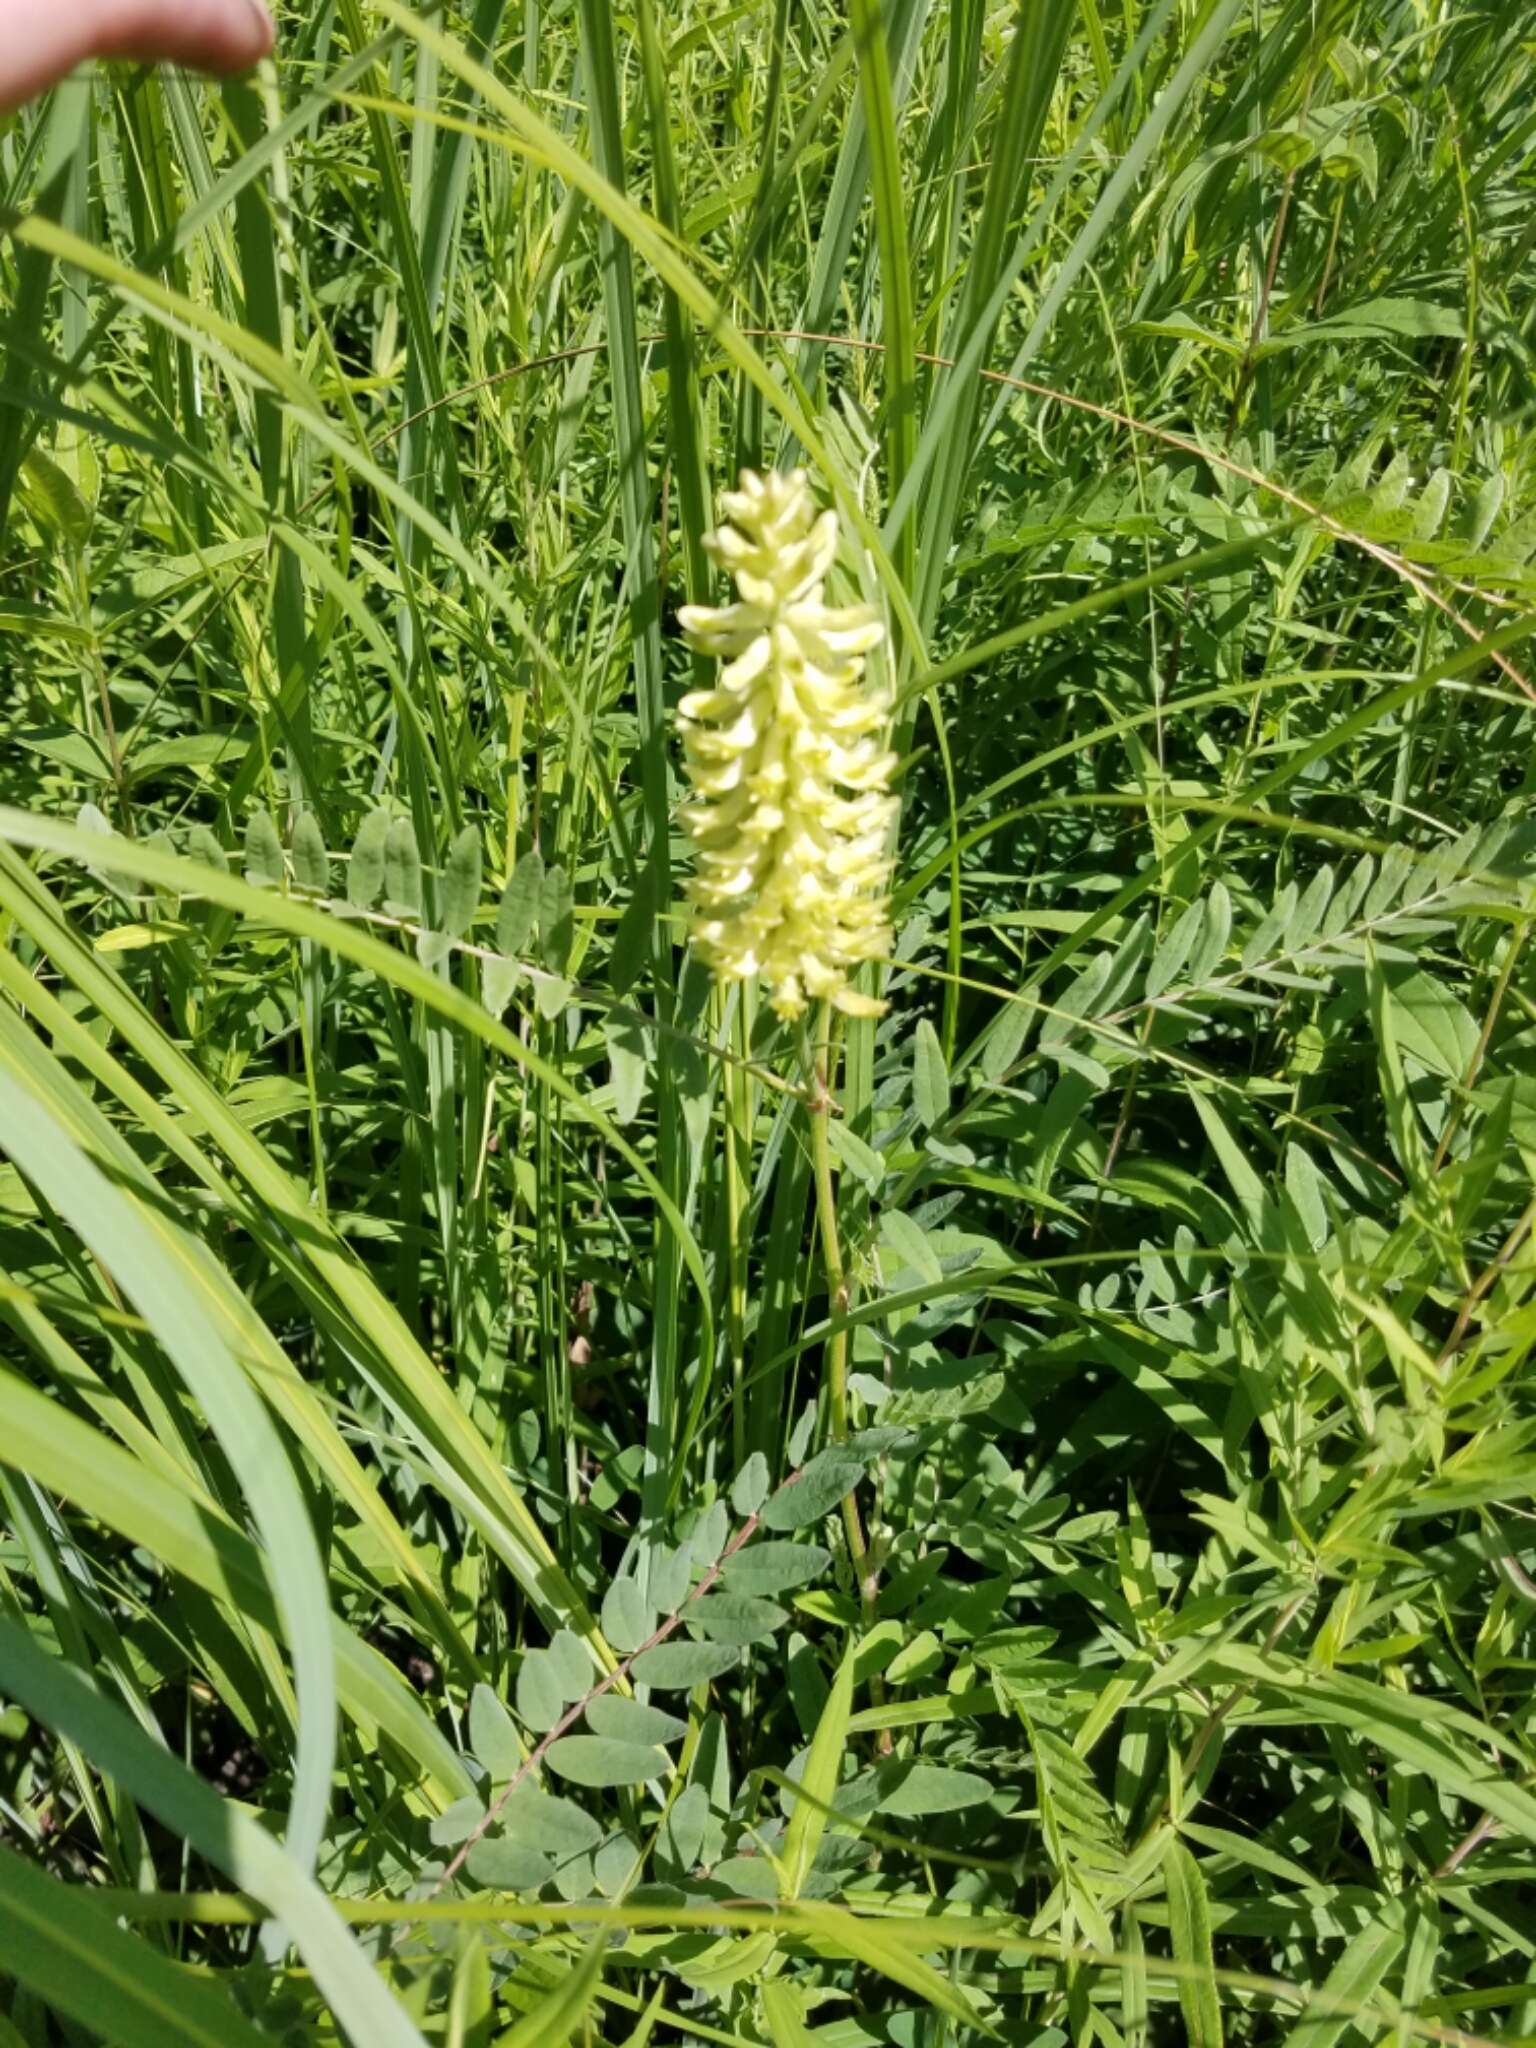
(930, 1077)
(460, 893)
(1189, 1921)
(365, 870)
(767, 1567)
(678, 1667)
(599, 1760)
(629, 1721)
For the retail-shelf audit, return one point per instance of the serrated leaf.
(749, 1489)
(627, 1618)
(678, 1667)
(540, 1698)
(264, 867)
(735, 1617)
(630, 1721)
(930, 1076)
(311, 862)
(402, 869)
(460, 892)
(365, 870)
(600, 1761)
(831, 1474)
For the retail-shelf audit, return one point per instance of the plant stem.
(822, 1104)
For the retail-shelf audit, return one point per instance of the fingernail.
(268, 31)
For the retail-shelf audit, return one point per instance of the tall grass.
(441, 1596)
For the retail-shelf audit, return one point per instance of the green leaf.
(539, 1695)
(827, 1479)
(66, 1949)
(909, 1241)
(503, 1866)
(365, 870)
(630, 1721)
(767, 1568)
(735, 1617)
(678, 1667)
(1351, 1984)
(554, 2019)
(910, 1790)
(460, 894)
(402, 870)
(264, 868)
(311, 862)
(203, 846)
(819, 1780)
(492, 1737)
(1189, 1923)
(627, 1617)
(861, 1160)
(519, 906)
(221, 1830)
(600, 1760)
(498, 978)
(556, 924)
(540, 1820)
(750, 1488)
(930, 1076)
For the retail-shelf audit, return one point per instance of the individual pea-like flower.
(791, 815)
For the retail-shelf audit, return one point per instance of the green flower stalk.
(791, 810)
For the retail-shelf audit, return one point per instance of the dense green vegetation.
(440, 1598)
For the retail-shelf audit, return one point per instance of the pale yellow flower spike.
(787, 757)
